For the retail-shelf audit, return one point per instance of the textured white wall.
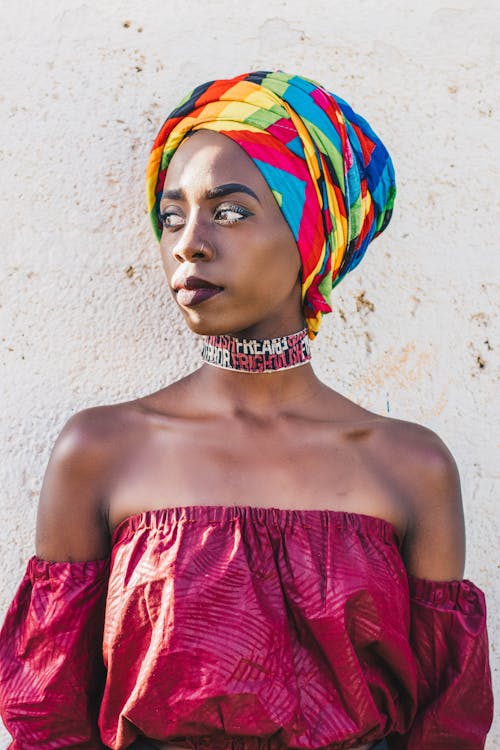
(86, 317)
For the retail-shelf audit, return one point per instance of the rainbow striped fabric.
(329, 172)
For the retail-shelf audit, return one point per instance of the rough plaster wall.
(86, 316)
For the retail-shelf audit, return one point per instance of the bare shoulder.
(426, 471)
(71, 522)
(72, 519)
(417, 449)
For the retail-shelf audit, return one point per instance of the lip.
(192, 290)
(192, 297)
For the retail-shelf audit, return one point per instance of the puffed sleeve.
(51, 668)
(450, 643)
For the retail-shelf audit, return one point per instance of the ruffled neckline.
(213, 514)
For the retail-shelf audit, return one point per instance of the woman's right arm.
(71, 524)
(51, 668)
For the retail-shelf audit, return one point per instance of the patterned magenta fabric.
(51, 673)
(246, 628)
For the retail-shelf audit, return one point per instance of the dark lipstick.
(193, 290)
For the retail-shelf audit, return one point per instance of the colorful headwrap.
(331, 175)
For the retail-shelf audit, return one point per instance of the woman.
(272, 565)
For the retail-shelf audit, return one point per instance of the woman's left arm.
(448, 615)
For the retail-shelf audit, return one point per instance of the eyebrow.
(177, 194)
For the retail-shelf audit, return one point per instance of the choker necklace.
(257, 355)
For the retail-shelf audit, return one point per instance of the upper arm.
(71, 525)
(434, 545)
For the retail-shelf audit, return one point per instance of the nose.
(191, 253)
(192, 244)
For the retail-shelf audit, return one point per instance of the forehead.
(206, 158)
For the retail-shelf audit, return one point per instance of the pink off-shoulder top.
(245, 628)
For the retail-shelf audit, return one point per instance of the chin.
(258, 326)
(212, 330)
(203, 327)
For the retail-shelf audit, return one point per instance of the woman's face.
(229, 255)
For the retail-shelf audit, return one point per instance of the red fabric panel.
(450, 643)
(51, 670)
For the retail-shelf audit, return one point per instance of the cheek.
(283, 240)
(277, 272)
(286, 257)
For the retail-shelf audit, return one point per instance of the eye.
(231, 214)
(171, 220)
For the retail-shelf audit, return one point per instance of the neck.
(257, 375)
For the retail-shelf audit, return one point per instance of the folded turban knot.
(331, 175)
